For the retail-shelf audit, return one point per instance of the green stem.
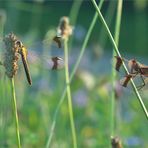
(109, 17)
(73, 16)
(117, 32)
(118, 53)
(69, 94)
(74, 11)
(72, 74)
(15, 113)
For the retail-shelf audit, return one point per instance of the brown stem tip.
(64, 29)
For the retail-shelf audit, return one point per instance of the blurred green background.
(35, 21)
(39, 16)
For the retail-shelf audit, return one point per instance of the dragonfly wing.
(54, 63)
(124, 81)
(144, 70)
(119, 62)
(46, 61)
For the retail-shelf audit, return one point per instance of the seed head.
(11, 55)
(64, 29)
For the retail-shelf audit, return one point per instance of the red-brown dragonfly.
(135, 69)
(36, 58)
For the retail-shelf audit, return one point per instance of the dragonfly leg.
(143, 84)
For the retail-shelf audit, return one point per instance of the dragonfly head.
(19, 44)
(132, 62)
(21, 47)
(133, 65)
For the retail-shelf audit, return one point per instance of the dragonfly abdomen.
(26, 68)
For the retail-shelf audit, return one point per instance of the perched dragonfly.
(35, 58)
(23, 52)
(135, 69)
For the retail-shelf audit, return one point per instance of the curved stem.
(116, 37)
(118, 53)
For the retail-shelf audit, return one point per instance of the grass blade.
(15, 113)
(117, 32)
(69, 95)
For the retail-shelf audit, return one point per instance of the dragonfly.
(135, 69)
(33, 57)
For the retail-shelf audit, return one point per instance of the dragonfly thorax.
(133, 65)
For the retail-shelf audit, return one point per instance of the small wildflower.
(116, 143)
(11, 55)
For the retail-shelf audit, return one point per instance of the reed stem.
(73, 130)
(15, 113)
(118, 53)
(114, 74)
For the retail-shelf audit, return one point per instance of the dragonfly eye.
(19, 43)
